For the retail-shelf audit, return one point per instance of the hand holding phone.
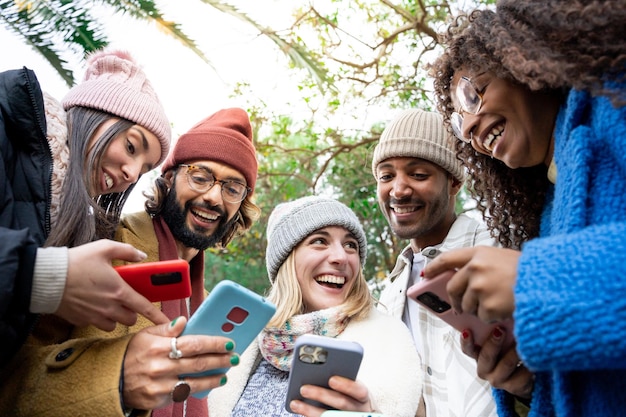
(316, 359)
(158, 281)
(432, 294)
(232, 311)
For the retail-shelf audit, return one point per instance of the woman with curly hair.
(535, 91)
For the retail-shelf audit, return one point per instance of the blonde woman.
(315, 255)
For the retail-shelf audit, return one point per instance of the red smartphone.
(432, 294)
(158, 281)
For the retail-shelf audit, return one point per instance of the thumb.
(171, 329)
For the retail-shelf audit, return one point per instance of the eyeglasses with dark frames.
(471, 100)
(200, 179)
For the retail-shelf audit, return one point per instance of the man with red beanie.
(202, 199)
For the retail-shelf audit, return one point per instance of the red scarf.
(177, 308)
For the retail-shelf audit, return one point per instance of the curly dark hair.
(548, 47)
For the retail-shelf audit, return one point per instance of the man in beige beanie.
(418, 177)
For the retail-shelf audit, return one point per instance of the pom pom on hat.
(114, 83)
(293, 221)
(419, 134)
(226, 137)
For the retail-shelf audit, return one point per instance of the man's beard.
(175, 217)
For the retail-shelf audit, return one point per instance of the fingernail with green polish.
(230, 346)
(223, 381)
(173, 322)
(234, 360)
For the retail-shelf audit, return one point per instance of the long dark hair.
(81, 218)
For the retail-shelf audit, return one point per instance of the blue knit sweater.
(570, 314)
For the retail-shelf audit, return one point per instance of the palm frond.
(51, 27)
(298, 54)
(147, 10)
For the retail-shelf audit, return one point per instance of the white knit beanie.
(419, 134)
(114, 83)
(293, 221)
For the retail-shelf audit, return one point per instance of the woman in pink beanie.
(65, 171)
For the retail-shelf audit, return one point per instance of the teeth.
(204, 216)
(403, 210)
(332, 279)
(108, 180)
(492, 137)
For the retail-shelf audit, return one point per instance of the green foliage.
(42, 24)
(376, 54)
(363, 60)
(57, 27)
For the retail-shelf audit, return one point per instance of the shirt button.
(64, 354)
(430, 371)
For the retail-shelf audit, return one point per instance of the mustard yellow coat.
(64, 371)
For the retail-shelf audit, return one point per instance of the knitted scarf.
(277, 343)
(193, 407)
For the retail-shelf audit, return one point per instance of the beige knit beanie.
(419, 134)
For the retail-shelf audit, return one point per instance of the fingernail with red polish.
(497, 333)
(422, 273)
(465, 334)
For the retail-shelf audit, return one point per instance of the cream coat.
(391, 368)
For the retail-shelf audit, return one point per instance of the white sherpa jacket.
(391, 368)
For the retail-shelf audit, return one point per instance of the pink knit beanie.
(114, 83)
(226, 137)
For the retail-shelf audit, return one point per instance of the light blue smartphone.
(230, 310)
(316, 359)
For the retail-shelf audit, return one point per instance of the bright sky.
(188, 87)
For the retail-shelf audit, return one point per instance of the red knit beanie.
(226, 137)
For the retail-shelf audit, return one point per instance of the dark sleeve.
(17, 258)
(22, 204)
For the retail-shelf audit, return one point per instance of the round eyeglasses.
(470, 100)
(200, 179)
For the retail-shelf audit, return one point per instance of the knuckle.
(190, 345)
(202, 365)
(154, 389)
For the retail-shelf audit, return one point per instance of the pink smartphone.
(432, 294)
(158, 281)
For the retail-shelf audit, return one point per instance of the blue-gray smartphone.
(316, 359)
(230, 310)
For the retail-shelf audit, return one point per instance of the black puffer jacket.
(25, 174)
